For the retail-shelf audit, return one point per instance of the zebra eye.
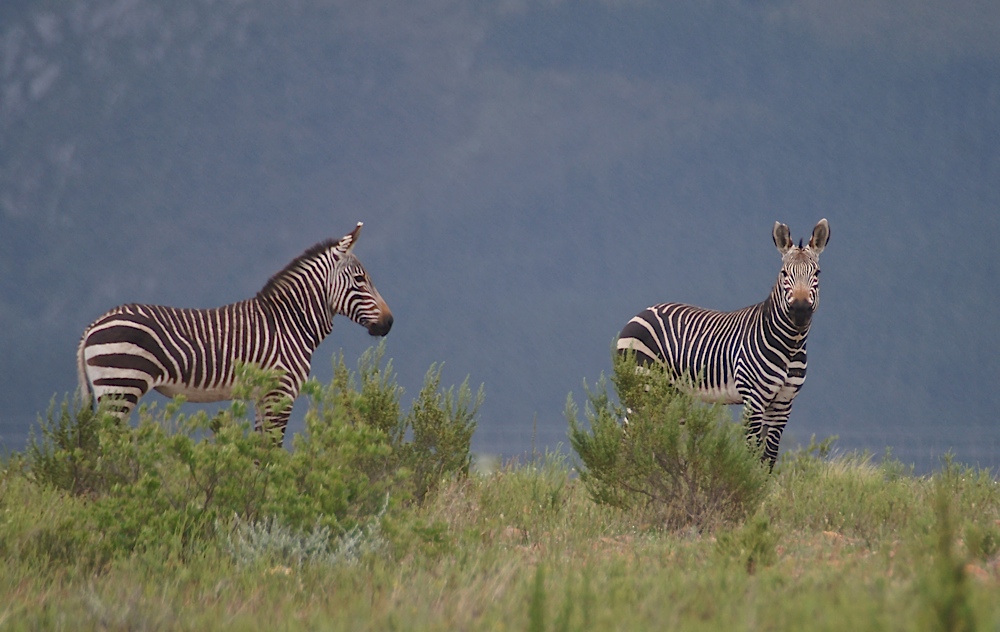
(784, 274)
(359, 278)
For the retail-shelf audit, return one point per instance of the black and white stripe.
(756, 355)
(134, 348)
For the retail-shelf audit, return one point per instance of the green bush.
(168, 484)
(66, 454)
(678, 461)
(442, 423)
(430, 443)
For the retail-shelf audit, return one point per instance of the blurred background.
(530, 175)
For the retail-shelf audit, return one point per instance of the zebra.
(194, 352)
(755, 356)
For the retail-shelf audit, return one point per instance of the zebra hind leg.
(117, 391)
(118, 404)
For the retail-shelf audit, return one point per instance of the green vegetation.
(374, 521)
(681, 463)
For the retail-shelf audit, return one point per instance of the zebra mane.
(311, 253)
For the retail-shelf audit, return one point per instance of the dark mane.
(309, 254)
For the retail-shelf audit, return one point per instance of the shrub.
(442, 423)
(167, 483)
(66, 454)
(678, 461)
(425, 446)
(270, 542)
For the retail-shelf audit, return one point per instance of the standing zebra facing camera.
(755, 356)
(193, 352)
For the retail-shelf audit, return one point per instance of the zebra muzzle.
(801, 312)
(381, 326)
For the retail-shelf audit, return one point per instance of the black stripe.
(124, 331)
(127, 361)
(123, 382)
(635, 331)
(131, 400)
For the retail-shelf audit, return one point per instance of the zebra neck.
(298, 297)
(304, 315)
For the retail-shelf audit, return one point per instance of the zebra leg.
(764, 428)
(119, 395)
(765, 411)
(273, 411)
(753, 420)
(774, 420)
(117, 404)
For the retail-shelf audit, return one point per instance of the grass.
(840, 543)
(375, 522)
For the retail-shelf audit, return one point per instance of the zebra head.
(797, 290)
(354, 294)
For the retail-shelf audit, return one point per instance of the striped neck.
(301, 293)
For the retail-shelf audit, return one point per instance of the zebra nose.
(801, 312)
(381, 326)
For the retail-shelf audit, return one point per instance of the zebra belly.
(196, 394)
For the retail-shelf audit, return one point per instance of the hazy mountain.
(530, 175)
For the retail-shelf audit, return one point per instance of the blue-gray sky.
(530, 175)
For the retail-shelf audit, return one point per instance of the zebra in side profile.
(755, 356)
(134, 348)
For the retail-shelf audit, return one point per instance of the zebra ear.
(821, 235)
(782, 238)
(347, 241)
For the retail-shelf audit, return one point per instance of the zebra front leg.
(753, 422)
(272, 413)
(763, 432)
(773, 425)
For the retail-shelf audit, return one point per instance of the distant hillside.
(530, 176)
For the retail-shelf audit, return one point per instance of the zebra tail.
(81, 374)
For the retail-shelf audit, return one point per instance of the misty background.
(530, 175)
